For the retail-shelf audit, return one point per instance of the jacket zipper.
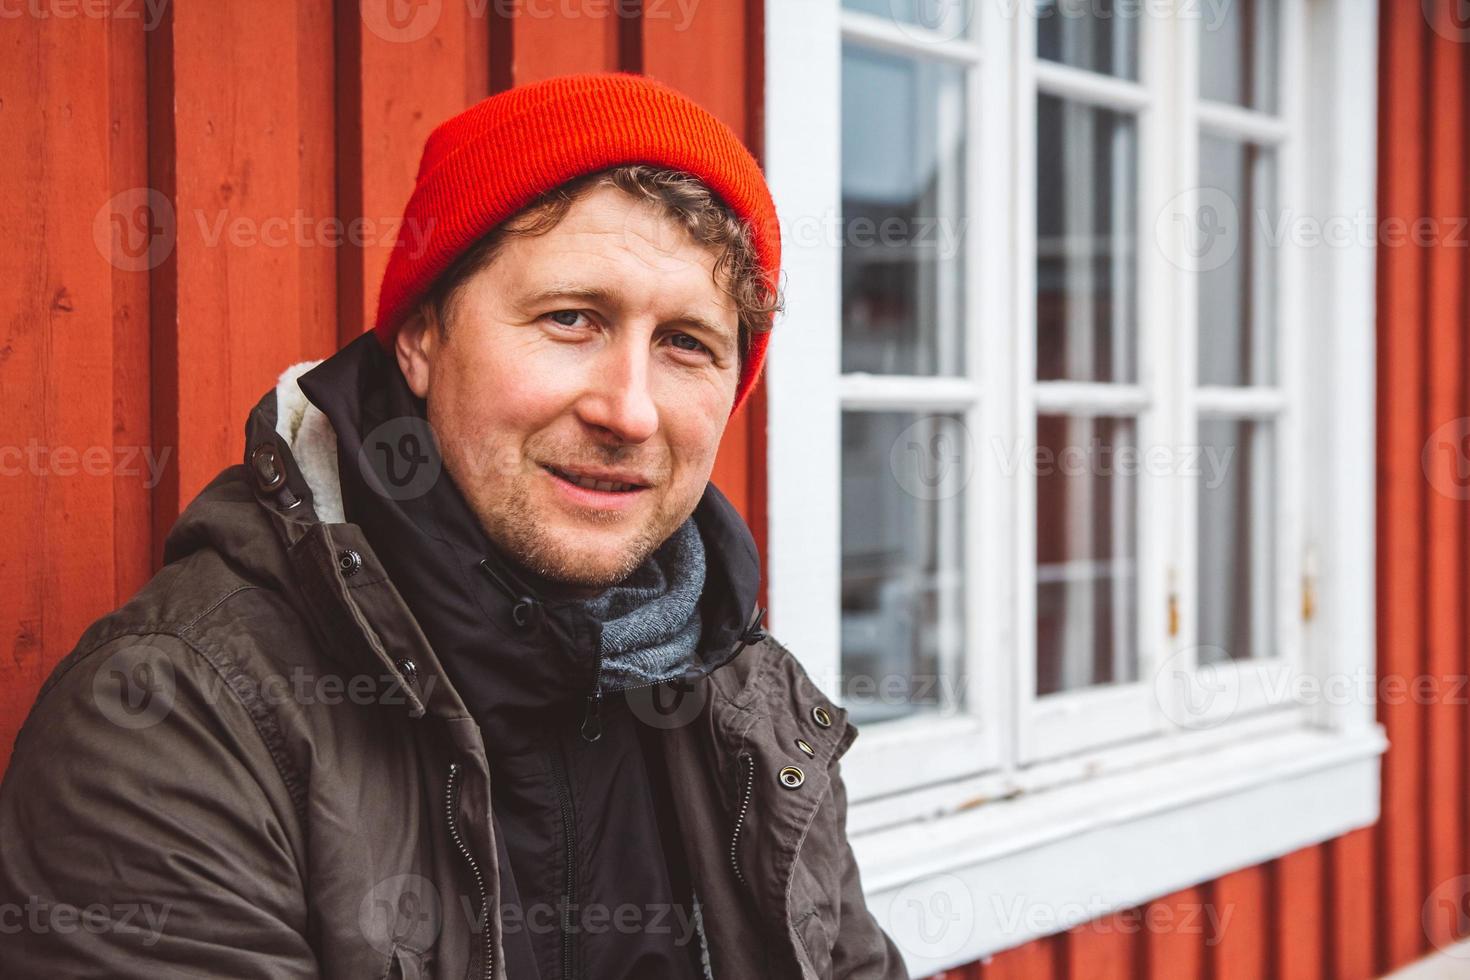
(747, 767)
(568, 819)
(451, 810)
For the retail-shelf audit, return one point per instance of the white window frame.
(1022, 801)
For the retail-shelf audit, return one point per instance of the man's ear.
(415, 345)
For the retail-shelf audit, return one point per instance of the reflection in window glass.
(1086, 243)
(1237, 52)
(1086, 553)
(1236, 540)
(1237, 277)
(902, 215)
(903, 476)
(1099, 35)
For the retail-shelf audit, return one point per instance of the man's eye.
(566, 318)
(698, 345)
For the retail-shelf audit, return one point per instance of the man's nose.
(618, 397)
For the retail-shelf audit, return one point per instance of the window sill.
(957, 888)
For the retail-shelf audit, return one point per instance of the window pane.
(1237, 263)
(1086, 553)
(1094, 35)
(903, 476)
(903, 215)
(1236, 539)
(950, 18)
(1086, 243)
(1237, 53)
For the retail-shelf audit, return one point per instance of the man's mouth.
(593, 483)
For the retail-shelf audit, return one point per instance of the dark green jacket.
(257, 767)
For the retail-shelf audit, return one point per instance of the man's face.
(603, 346)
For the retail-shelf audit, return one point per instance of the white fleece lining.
(312, 441)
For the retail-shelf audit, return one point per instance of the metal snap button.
(820, 715)
(266, 466)
(350, 562)
(806, 747)
(408, 669)
(791, 777)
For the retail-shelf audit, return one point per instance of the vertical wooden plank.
(403, 71)
(1400, 498)
(1445, 582)
(570, 36)
(1105, 949)
(1170, 951)
(1351, 881)
(1238, 902)
(57, 464)
(1298, 916)
(229, 302)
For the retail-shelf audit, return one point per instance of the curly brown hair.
(680, 196)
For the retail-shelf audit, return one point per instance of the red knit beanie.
(487, 163)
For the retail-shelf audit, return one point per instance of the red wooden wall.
(168, 193)
(133, 321)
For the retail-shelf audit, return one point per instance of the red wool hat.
(487, 163)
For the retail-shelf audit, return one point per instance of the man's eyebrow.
(598, 295)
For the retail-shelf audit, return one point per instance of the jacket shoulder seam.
(185, 632)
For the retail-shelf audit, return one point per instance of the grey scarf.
(650, 621)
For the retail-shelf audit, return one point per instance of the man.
(461, 673)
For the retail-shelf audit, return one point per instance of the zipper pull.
(592, 719)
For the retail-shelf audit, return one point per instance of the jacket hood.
(344, 443)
